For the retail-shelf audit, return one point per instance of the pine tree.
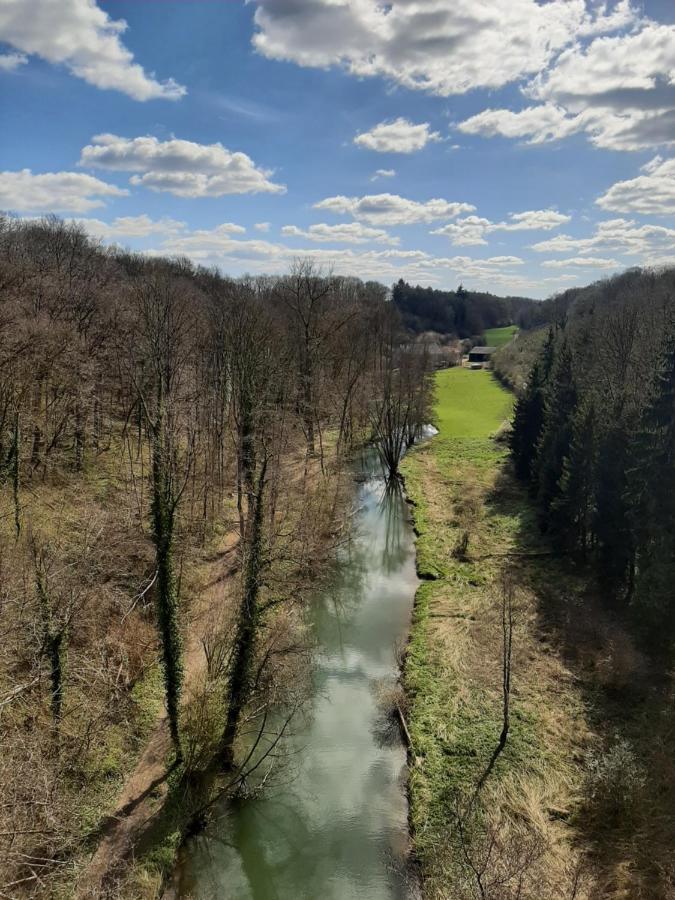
(612, 522)
(572, 512)
(528, 417)
(556, 436)
(653, 496)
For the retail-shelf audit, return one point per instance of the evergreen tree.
(556, 435)
(612, 521)
(528, 418)
(653, 496)
(572, 512)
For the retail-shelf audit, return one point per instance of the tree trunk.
(167, 590)
(244, 646)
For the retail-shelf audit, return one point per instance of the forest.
(172, 448)
(594, 439)
(462, 313)
(177, 473)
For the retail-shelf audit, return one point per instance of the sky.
(516, 146)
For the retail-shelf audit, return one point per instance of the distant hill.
(462, 313)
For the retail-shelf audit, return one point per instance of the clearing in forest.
(498, 337)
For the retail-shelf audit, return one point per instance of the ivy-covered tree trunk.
(241, 666)
(79, 437)
(163, 512)
(16, 475)
(54, 638)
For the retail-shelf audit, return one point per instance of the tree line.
(594, 438)
(462, 313)
(148, 407)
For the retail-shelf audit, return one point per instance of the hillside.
(462, 313)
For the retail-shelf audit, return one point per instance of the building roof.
(482, 350)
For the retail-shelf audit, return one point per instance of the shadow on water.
(337, 829)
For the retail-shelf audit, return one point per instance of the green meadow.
(470, 404)
(497, 337)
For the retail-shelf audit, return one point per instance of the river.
(337, 828)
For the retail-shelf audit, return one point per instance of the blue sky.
(522, 146)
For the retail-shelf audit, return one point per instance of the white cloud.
(399, 136)
(588, 262)
(383, 173)
(622, 236)
(264, 227)
(618, 89)
(218, 248)
(533, 220)
(652, 193)
(81, 36)
(473, 229)
(130, 227)
(536, 123)
(466, 232)
(390, 209)
(11, 61)
(53, 191)
(183, 168)
(445, 48)
(351, 233)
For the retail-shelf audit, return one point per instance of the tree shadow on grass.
(627, 812)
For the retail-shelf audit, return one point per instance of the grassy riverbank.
(474, 524)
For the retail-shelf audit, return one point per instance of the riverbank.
(481, 817)
(137, 843)
(331, 821)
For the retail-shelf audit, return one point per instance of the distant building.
(481, 356)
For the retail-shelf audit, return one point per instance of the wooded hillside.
(461, 312)
(171, 443)
(594, 436)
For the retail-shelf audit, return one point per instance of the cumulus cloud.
(383, 173)
(618, 89)
(81, 36)
(11, 61)
(623, 236)
(466, 232)
(54, 191)
(390, 209)
(183, 168)
(652, 193)
(444, 48)
(263, 227)
(351, 233)
(588, 262)
(143, 226)
(130, 227)
(399, 136)
(472, 230)
(218, 248)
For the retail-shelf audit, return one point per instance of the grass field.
(469, 516)
(470, 404)
(497, 337)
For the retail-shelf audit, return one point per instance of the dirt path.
(146, 789)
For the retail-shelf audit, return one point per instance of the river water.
(336, 828)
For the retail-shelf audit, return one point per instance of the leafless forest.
(171, 450)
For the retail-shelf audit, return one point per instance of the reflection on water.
(337, 829)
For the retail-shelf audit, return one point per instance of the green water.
(336, 826)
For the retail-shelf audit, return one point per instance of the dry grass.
(520, 828)
(581, 802)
